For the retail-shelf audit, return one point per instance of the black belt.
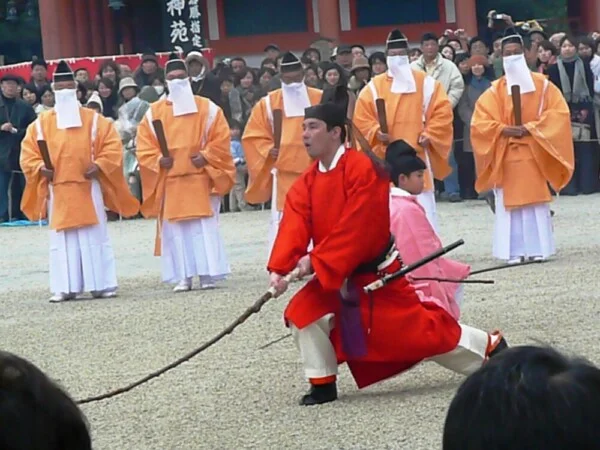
(372, 266)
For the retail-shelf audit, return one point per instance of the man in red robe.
(342, 203)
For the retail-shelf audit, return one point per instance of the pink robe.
(415, 239)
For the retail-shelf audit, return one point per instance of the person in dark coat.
(204, 83)
(15, 117)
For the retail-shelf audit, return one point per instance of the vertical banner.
(183, 24)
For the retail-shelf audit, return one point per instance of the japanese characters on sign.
(185, 24)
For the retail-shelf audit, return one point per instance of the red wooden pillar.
(329, 19)
(49, 13)
(68, 39)
(466, 16)
(109, 30)
(82, 41)
(590, 15)
(95, 25)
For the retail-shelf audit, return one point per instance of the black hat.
(402, 159)
(149, 55)
(538, 31)
(396, 40)
(175, 63)
(512, 36)
(332, 108)
(271, 47)
(10, 77)
(290, 63)
(343, 49)
(39, 62)
(63, 72)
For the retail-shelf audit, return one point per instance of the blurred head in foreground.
(36, 414)
(527, 398)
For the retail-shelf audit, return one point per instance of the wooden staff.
(160, 135)
(515, 91)
(254, 309)
(43, 146)
(277, 127)
(381, 115)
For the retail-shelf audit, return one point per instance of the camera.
(498, 16)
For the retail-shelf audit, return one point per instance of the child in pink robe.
(415, 237)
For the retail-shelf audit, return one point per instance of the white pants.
(82, 259)
(319, 358)
(427, 200)
(522, 232)
(194, 248)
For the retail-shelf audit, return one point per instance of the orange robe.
(183, 192)
(258, 140)
(523, 167)
(71, 153)
(406, 120)
(345, 211)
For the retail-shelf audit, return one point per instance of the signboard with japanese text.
(183, 24)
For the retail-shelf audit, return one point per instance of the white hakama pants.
(427, 200)
(522, 232)
(319, 359)
(82, 259)
(194, 247)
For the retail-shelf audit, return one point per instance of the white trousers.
(522, 232)
(319, 358)
(82, 259)
(427, 200)
(194, 247)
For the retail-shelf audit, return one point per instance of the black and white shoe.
(319, 394)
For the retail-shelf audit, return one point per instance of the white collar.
(397, 192)
(338, 154)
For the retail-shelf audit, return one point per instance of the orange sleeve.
(109, 158)
(36, 188)
(552, 132)
(217, 152)
(362, 230)
(295, 231)
(365, 117)
(438, 126)
(489, 146)
(148, 154)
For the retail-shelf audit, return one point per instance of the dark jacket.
(209, 87)
(20, 114)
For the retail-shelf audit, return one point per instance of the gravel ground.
(235, 396)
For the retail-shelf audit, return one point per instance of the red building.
(240, 27)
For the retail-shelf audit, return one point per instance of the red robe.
(346, 213)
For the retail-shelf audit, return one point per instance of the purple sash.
(353, 334)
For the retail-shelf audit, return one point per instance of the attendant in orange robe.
(417, 110)
(86, 175)
(519, 162)
(272, 171)
(183, 190)
(342, 203)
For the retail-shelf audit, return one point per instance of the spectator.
(448, 52)
(82, 75)
(265, 75)
(148, 68)
(238, 64)
(378, 63)
(125, 71)
(311, 76)
(109, 97)
(333, 76)
(414, 54)
(360, 74)
(547, 54)
(270, 63)
(236, 196)
(537, 36)
(526, 398)
(246, 84)
(476, 83)
(81, 93)
(496, 57)
(35, 413)
(313, 54)
(357, 51)
(39, 71)
(157, 82)
(110, 70)
(462, 62)
(204, 83)
(95, 103)
(574, 77)
(477, 46)
(272, 52)
(342, 55)
(15, 117)
(29, 94)
(46, 100)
